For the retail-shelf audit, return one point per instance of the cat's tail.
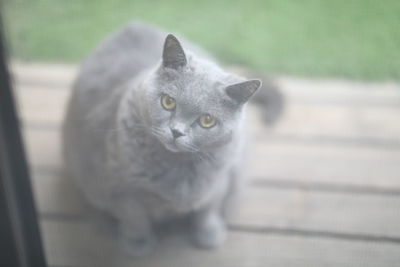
(270, 99)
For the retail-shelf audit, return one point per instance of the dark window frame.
(20, 239)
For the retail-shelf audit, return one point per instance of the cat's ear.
(173, 55)
(241, 92)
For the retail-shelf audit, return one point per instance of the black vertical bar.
(20, 240)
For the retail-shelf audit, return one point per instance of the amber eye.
(168, 102)
(207, 121)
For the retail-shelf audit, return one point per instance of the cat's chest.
(175, 183)
(160, 166)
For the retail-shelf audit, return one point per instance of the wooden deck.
(324, 187)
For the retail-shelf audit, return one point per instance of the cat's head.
(193, 105)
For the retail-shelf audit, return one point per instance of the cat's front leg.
(209, 228)
(135, 231)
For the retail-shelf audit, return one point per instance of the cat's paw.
(210, 233)
(138, 244)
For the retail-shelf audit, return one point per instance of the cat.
(155, 131)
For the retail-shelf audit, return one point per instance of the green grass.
(357, 39)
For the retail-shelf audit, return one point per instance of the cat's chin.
(173, 147)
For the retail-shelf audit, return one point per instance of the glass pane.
(137, 139)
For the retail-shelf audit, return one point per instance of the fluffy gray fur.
(118, 140)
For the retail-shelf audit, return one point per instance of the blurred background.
(324, 180)
(357, 39)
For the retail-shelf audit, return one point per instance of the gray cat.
(155, 132)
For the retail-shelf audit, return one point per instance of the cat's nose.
(176, 133)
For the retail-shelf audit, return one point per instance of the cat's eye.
(207, 121)
(168, 102)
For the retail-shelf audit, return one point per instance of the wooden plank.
(376, 215)
(56, 194)
(42, 105)
(86, 244)
(56, 75)
(340, 92)
(331, 123)
(340, 121)
(332, 164)
(366, 215)
(43, 148)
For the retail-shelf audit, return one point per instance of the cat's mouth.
(176, 145)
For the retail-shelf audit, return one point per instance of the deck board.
(331, 164)
(324, 183)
